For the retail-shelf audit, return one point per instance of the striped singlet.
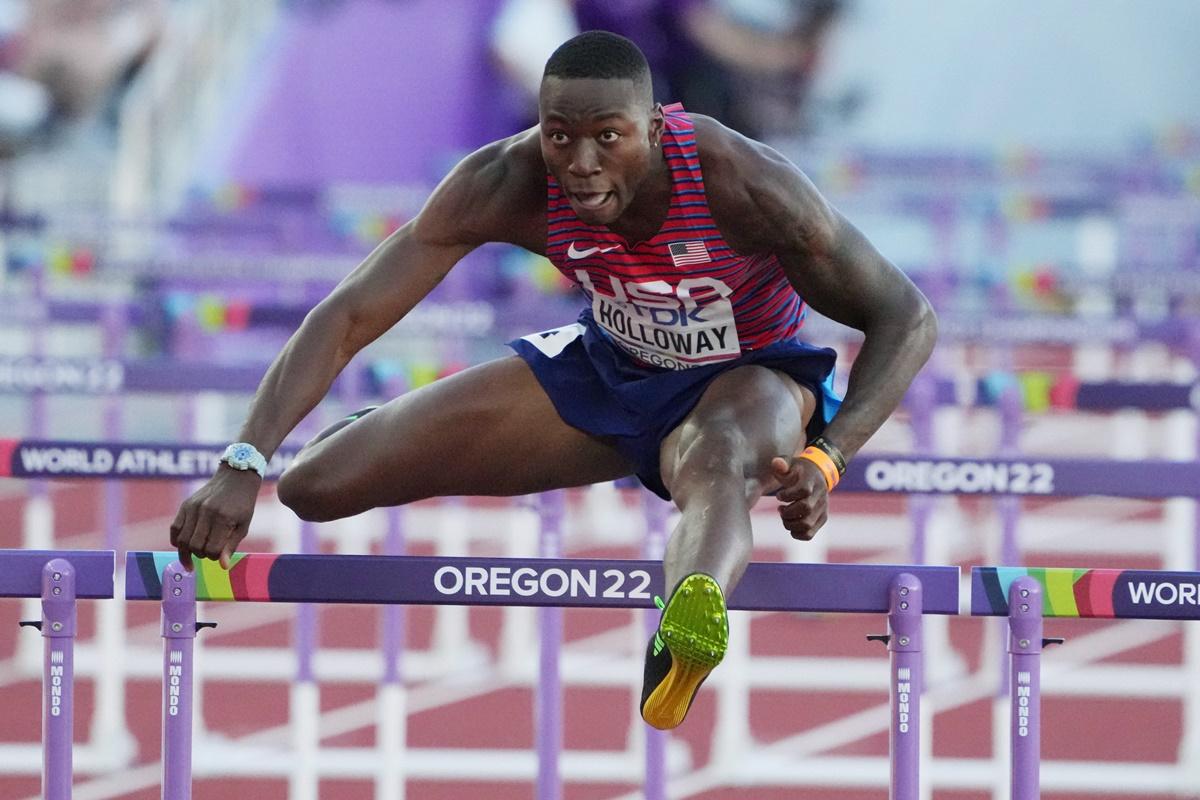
(682, 298)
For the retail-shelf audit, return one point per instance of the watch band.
(245, 456)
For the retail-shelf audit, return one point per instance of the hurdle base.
(269, 664)
(87, 759)
(969, 774)
(213, 758)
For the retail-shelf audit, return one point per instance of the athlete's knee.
(717, 448)
(307, 493)
(717, 457)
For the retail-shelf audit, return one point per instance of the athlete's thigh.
(745, 417)
(489, 430)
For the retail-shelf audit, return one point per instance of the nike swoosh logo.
(572, 252)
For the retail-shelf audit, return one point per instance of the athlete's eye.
(558, 137)
(609, 136)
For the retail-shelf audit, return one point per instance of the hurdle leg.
(392, 724)
(904, 644)
(110, 734)
(304, 699)
(58, 677)
(179, 634)
(549, 691)
(37, 525)
(654, 779)
(517, 634)
(452, 624)
(1025, 645)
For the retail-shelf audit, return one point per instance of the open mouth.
(592, 201)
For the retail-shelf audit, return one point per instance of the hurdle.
(59, 578)
(1026, 595)
(902, 592)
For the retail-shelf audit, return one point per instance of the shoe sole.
(695, 629)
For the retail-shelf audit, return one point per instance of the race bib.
(674, 327)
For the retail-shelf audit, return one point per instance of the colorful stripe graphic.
(1101, 593)
(8, 449)
(245, 580)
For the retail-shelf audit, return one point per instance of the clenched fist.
(804, 500)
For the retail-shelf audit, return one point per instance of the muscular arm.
(480, 201)
(496, 194)
(772, 207)
(845, 278)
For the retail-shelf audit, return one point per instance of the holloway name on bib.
(674, 327)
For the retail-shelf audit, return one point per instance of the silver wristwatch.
(243, 456)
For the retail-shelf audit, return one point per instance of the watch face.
(241, 453)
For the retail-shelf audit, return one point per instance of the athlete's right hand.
(803, 498)
(212, 522)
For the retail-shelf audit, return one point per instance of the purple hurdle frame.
(871, 588)
(1027, 595)
(179, 634)
(1025, 686)
(60, 578)
(58, 678)
(907, 683)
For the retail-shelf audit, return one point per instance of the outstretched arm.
(460, 214)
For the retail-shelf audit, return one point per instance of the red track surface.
(595, 718)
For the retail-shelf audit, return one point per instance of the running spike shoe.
(691, 640)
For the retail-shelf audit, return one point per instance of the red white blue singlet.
(682, 298)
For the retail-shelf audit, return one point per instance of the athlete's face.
(600, 138)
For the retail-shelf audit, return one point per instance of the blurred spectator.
(747, 62)
(85, 50)
(24, 103)
(755, 61)
(68, 60)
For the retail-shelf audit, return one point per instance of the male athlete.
(694, 247)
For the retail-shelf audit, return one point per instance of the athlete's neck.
(646, 214)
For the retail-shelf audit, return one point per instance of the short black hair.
(598, 54)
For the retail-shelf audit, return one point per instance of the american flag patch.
(684, 253)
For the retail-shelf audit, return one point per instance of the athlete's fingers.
(798, 486)
(804, 527)
(202, 532)
(796, 512)
(223, 534)
(217, 538)
(810, 529)
(805, 516)
(177, 526)
(231, 544)
(181, 536)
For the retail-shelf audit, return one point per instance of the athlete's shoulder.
(759, 199)
(495, 194)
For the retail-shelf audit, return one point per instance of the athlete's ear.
(657, 123)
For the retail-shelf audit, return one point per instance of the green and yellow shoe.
(691, 640)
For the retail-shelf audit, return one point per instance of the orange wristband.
(824, 463)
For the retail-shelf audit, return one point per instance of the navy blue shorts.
(598, 389)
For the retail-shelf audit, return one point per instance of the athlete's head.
(600, 126)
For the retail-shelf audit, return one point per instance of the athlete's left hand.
(803, 497)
